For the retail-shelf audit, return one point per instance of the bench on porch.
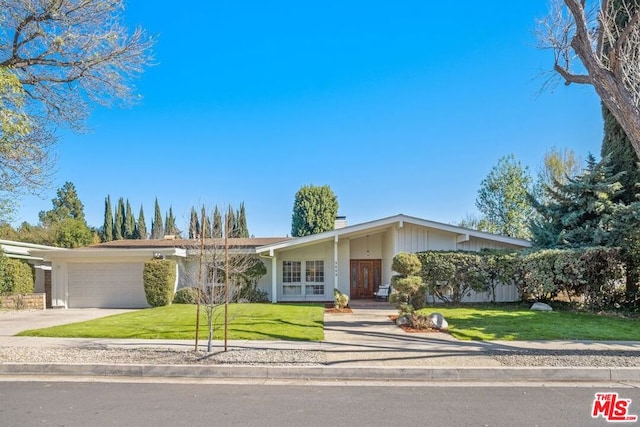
(383, 292)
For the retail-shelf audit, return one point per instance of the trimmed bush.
(452, 275)
(340, 300)
(186, 296)
(408, 288)
(159, 277)
(21, 276)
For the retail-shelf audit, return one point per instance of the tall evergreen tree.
(617, 146)
(217, 224)
(157, 229)
(194, 224)
(314, 210)
(243, 230)
(170, 228)
(582, 212)
(129, 222)
(107, 228)
(141, 226)
(66, 204)
(205, 223)
(230, 223)
(118, 224)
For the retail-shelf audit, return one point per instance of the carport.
(101, 278)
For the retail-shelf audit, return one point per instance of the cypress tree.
(194, 225)
(141, 226)
(217, 224)
(170, 227)
(107, 228)
(206, 224)
(118, 225)
(157, 229)
(230, 223)
(243, 231)
(129, 222)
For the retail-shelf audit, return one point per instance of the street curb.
(439, 374)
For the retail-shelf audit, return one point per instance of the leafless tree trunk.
(606, 46)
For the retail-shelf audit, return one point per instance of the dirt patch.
(410, 329)
(334, 310)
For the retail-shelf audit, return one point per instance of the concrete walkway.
(364, 344)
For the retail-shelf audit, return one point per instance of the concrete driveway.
(12, 322)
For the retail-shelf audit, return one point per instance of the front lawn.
(517, 323)
(177, 321)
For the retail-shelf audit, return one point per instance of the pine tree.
(243, 230)
(141, 226)
(129, 222)
(157, 229)
(205, 223)
(66, 205)
(118, 224)
(107, 228)
(583, 211)
(617, 146)
(194, 225)
(217, 224)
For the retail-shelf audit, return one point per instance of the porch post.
(335, 262)
(274, 278)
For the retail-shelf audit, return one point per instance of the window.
(291, 271)
(314, 290)
(315, 271)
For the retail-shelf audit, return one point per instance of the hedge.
(159, 277)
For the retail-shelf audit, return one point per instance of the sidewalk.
(364, 344)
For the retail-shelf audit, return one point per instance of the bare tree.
(62, 55)
(598, 43)
(226, 271)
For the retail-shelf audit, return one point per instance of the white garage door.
(102, 285)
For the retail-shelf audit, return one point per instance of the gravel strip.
(272, 357)
(568, 358)
(160, 356)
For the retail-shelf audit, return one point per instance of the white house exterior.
(354, 259)
(357, 259)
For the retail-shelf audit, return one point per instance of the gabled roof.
(364, 228)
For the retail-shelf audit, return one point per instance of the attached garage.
(103, 285)
(102, 278)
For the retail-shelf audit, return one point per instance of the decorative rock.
(540, 306)
(402, 320)
(439, 321)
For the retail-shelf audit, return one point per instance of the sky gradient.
(399, 107)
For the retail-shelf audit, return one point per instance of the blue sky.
(400, 107)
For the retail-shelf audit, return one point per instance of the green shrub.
(340, 299)
(21, 275)
(186, 296)
(159, 276)
(452, 275)
(408, 288)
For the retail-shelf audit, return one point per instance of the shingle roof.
(190, 243)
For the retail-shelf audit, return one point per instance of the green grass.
(521, 324)
(247, 322)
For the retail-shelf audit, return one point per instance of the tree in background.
(170, 228)
(107, 227)
(205, 224)
(141, 226)
(129, 222)
(243, 230)
(503, 199)
(616, 146)
(66, 204)
(118, 224)
(582, 212)
(157, 229)
(314, 210)
(55, 58)
(231, 223)
(217, 224)
(194, 224)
